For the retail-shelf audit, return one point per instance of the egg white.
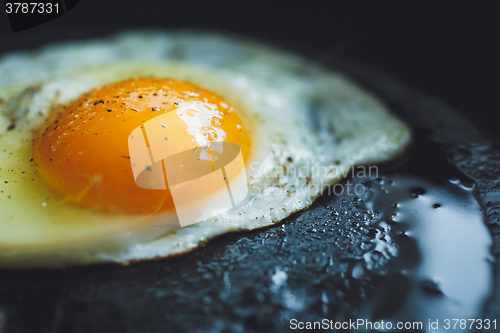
(299, 113)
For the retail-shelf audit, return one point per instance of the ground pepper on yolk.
(83, 155)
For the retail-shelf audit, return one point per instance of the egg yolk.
(83, 153)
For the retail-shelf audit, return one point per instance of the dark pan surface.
(311, 266)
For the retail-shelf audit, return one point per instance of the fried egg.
(68, 195)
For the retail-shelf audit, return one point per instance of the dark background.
(449, 49)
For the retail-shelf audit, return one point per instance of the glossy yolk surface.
(83, 153)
